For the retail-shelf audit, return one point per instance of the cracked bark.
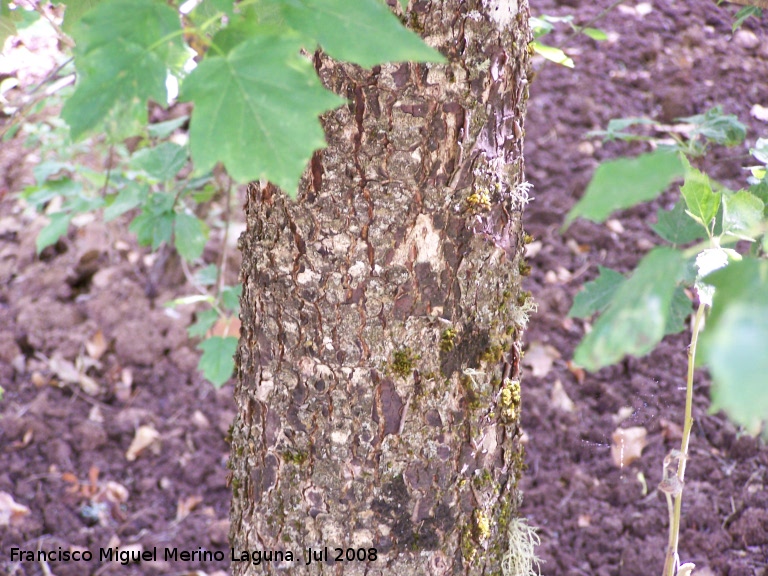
(378, 385)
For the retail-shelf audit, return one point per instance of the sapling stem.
(675, 498)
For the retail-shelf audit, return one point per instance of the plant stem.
(671, 560)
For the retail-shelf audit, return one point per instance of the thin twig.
(671, 560)
(59, 32)
(225, 248)
(109, 171)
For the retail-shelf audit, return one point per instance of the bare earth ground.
(63, 452)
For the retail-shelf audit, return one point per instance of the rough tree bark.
(378, 371)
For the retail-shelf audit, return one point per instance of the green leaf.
(552, 54)
(733, 344)
(130, 197)
(124, 50)
(38, 196)
(617, 126)
(404, 5)
(230, 297)
(540, 26)
(162, 162)
(55, 229)
(75, 11)
(743, 14)
(48, 168)
(741, 281)
(205, 321)
(760, 150)
(256, 111)
(205, 194)
(207, 276)
(165, 129)
(737, 360)
(679, 310)
(7, 29)
(701, 201)
(625, 182)
(760, 190)
(190, 236)
(82, 203)
(595, 34)
(210, 8)
(217, 362)
(365, 32)
(676, 226)
(155, 224)
(637, 316)
(742, 214)
(596, 295)
(718, 127)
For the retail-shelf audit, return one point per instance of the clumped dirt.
(63, 451)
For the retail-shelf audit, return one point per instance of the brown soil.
(63, 452)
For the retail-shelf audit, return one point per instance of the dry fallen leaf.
(623, 413)
(577, 372)
(615, 226)
(97, 345)
(532, 249)
(670, 430)
(539, 358)
(759, 112)
(628, 444)
(560, 399)
(145, 436)
(10, 510)
(186, 505)
(64, 369)
(115, 492)
(226, 326)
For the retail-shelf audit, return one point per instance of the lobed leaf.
(637, 317)
(720, 128)
(162, 162)
(676, 226)
(230, 297)
(205, 321)
(74, 12)
(742, 214)
(123, 53)
(217, 362)
(679, 310)
(190, 236)
(130, 197)
(625, 182)
(733, 345)
(365, 32)
(596, 295)
(56, 228)
(738, 363)
(256, 112)
(701, 201)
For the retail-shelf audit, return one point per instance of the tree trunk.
(378, 384)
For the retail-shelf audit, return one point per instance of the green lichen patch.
(509, 400)
(403, 362)
(448, 339)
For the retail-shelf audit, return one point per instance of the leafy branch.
(729, 287)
